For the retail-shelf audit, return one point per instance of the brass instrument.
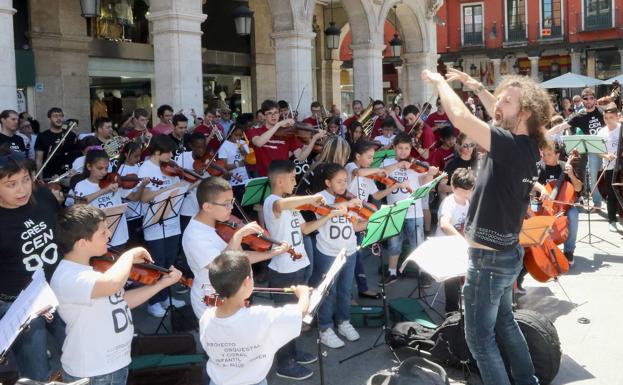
(115, 145)
(367, 119)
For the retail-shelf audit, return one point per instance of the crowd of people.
(57, 188)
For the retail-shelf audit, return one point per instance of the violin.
(419, 166)
(213, 299)
(257, 242)
(145, 273)
(126, 181)
(365, 212)
(215, 167)
(303, 131)
(171, 168)
(546, 261)
(322, 210)
(387, 181)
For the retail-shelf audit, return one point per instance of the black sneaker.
(304, 357)
(569, 256)
(294, 371)
(389, 279)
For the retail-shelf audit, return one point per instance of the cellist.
(550, 168)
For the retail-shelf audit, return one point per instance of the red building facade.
(541, 38)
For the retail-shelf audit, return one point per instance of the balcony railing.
(596, 22)
(549, 31)
(516, 34)
(472, 38)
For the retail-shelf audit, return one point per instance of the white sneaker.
(348, 331)
(156, 310)
(329, 339)
(177, 303)
(613, 227)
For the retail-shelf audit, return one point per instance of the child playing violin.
(241, 341)
(96, 166)
(94, 305)
(413, 228)
(335, 233)
(233, 152)
(283, 221)
(202, 244)
(162, 239)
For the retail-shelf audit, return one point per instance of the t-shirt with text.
(337, 233)
(16, 143)
(232, 155)
(589, 122)
(359, 186)
(398, 194)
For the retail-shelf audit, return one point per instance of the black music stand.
(318, 295)
(113, 217)
(588, 144)
(158, 212)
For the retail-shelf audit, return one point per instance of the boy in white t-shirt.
(202, 244)
(611, 134)
(94, 305)
(452, 216)
(241, 341)
(283, 221)
(413, 228)
(386, 139)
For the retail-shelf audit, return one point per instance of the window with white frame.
(515, 20)
(597, 14)
(551, 18)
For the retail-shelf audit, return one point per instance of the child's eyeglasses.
(228, 205)
(468, 145)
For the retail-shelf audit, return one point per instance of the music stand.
(316, 298)
(256, 191)
(35, 300)
(113, 217)
(380, 156)
(165, 207)
(588, 144)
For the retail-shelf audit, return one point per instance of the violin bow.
(51, 155)
(300, 98)
(426, 106)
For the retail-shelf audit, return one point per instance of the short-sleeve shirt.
(589, 122)
(359, 186)
(612, 143)
(27, 241)
(134, 210)
(398, 194)
(458, 162)
(441, 156)
(47, 141)
(190, 205)
(287, 227)
(455, 212)
(201, 245)
(274, 149)
(336, 234)
(502, 192)
(242, 346)
(104, 322)
(232, 155)
(16, 143)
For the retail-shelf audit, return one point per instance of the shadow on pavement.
(571, 372)
(543, 301)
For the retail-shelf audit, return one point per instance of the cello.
(545, 261)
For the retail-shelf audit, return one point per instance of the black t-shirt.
(16, 143)
(47, 141)
(27, 241)
(458, 162)
(182, 145)
(588, 122)
(550, 173)
(502, 190)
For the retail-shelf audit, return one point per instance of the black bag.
(413, 370)
(166, 359)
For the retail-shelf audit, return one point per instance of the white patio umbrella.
(619, 78)
(571, 80)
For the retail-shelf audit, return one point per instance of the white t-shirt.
(86, 187)
(359, 186)
(201, 245)
(231, 152)
(190, 206)
(401, 175)
(285, 228)
(385, 141)
(134, 210)
(612, 142)
(78, 164)
(336, 234)
(241, 347)
(172, 225)
(451, 209)
(99, 331)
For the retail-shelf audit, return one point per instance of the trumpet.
(216, 132)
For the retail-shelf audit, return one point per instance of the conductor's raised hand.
(432, 77)
(456, 75)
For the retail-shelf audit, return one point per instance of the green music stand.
(585, 144)
(425, 189)
(386, 222)
(380, 156)
(257, 190)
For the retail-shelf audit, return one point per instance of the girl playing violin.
(233, 152)
(94, 305)
(202, 244)
(162, 239)
(96, 166)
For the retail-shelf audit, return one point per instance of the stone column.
(178, 72)
(368, 71)
(262, 54)
(576, 62)
(61, 49)
(534, 68)
(401, 82)
(496, 70)
(8, 82)
(419, 91)
(293, 60)
(331, 83)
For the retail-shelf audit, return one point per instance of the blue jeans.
(489, 311)
(309, 241)
(573, 215)
(30, 347)
(286, 353)
(164, 253)
(360, 273)
(118, 377)
(412, 232)
(338, 300)
(594, 164)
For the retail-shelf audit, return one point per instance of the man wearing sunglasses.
(589, 121)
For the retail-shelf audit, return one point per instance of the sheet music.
(35, 297)
(442, 257)
(321, 291)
